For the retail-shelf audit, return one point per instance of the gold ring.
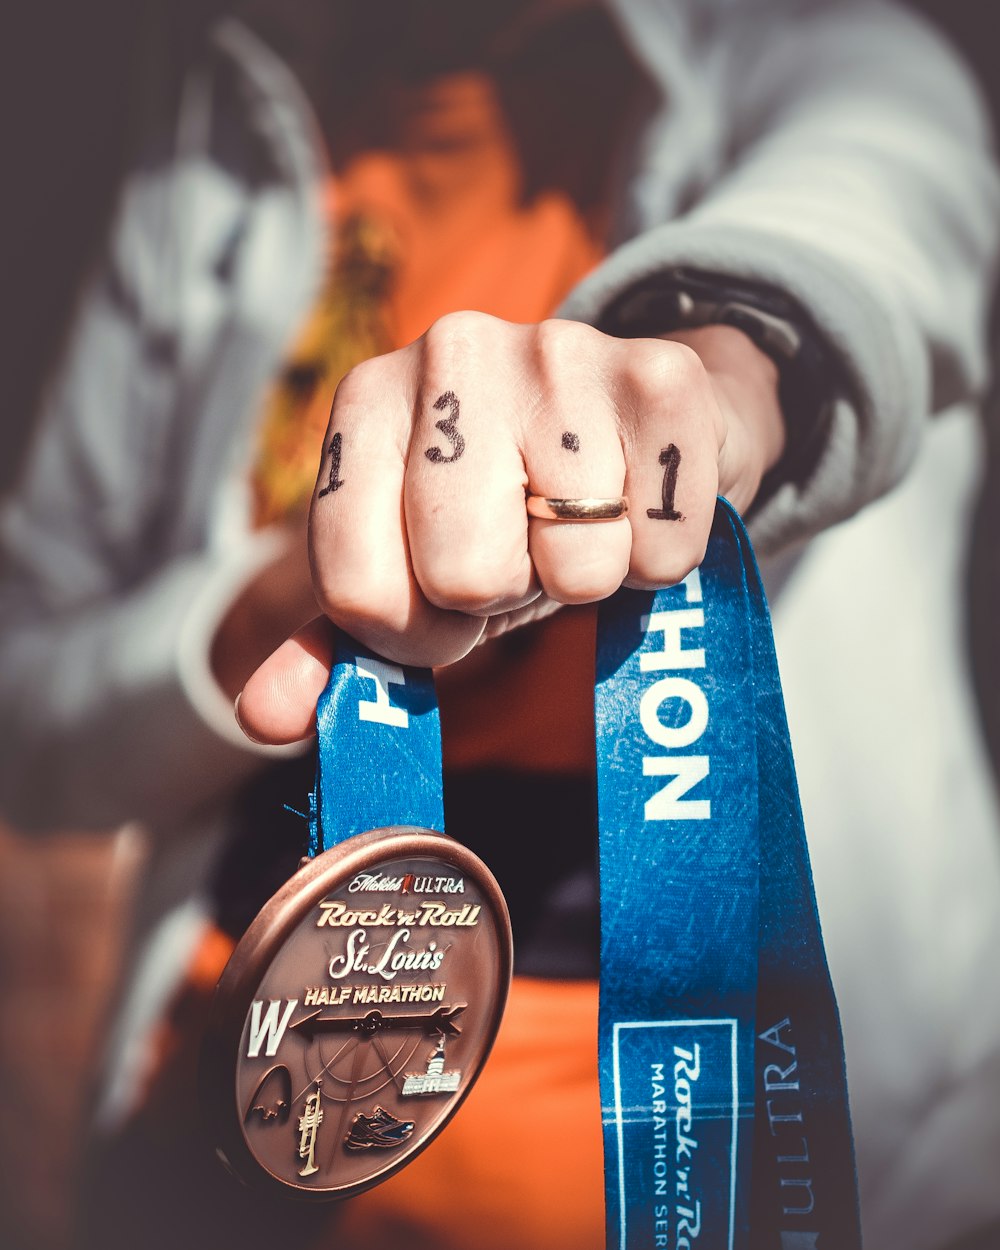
(576, 509)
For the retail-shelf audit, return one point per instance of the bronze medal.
(356, 1013)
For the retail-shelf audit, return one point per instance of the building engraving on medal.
(309, 1122)
(435, 1080)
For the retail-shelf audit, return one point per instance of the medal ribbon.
(720, 1044)
(379, 736)
(721, 1062)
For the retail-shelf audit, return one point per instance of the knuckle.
(467, 584)
(580, 585)
(566, 353)
(559, 344)
(666, 568)
(667, 368)
(358, 384)
(591, 572)
(362, 604)
(453, 336)
(461, 324)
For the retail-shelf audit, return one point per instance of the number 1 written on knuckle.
(334, 480)
(670, 459)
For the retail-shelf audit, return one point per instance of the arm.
(835, 154)
(111, 581)
(108, 704)
(849, 168)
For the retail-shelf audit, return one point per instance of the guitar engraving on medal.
(377, 960)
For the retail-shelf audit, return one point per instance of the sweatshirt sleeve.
(110, 711)
(849, 169)
(113, 573)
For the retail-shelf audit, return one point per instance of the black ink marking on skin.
(447, 427)
(670, 458)
(334, 482)
(571, 441)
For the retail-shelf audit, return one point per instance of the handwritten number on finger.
(334, 481)
(670, 458)
(448, 428)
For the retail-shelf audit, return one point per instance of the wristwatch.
(808, 372)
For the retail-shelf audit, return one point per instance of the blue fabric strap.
(379, 736)
(724, 1098)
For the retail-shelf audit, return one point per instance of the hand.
(419, 537)
(274, 603)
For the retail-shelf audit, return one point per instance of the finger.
(573, 450)
(537, 610)
(464, 490)
(671, 428)
(278, 704)
(358, 542)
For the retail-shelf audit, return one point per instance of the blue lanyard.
(721, 1062)
(379, 748)
(720, 1043)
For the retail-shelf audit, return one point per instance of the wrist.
(780, 327)
(747, 383)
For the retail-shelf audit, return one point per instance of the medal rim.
(271, 928)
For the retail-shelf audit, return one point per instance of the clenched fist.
(420, 540)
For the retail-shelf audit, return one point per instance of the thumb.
(278, 703)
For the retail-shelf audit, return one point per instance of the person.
(799, 231)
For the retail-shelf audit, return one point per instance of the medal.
(361, 1004)
(359, 1008)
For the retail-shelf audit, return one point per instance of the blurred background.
(80, 84)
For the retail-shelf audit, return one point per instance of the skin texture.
(421, 553)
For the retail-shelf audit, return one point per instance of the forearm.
(859, 185)
(746, 384)
(109, 710)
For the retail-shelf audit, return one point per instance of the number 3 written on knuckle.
(448, 428)
(670, 459)
(334, 481)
